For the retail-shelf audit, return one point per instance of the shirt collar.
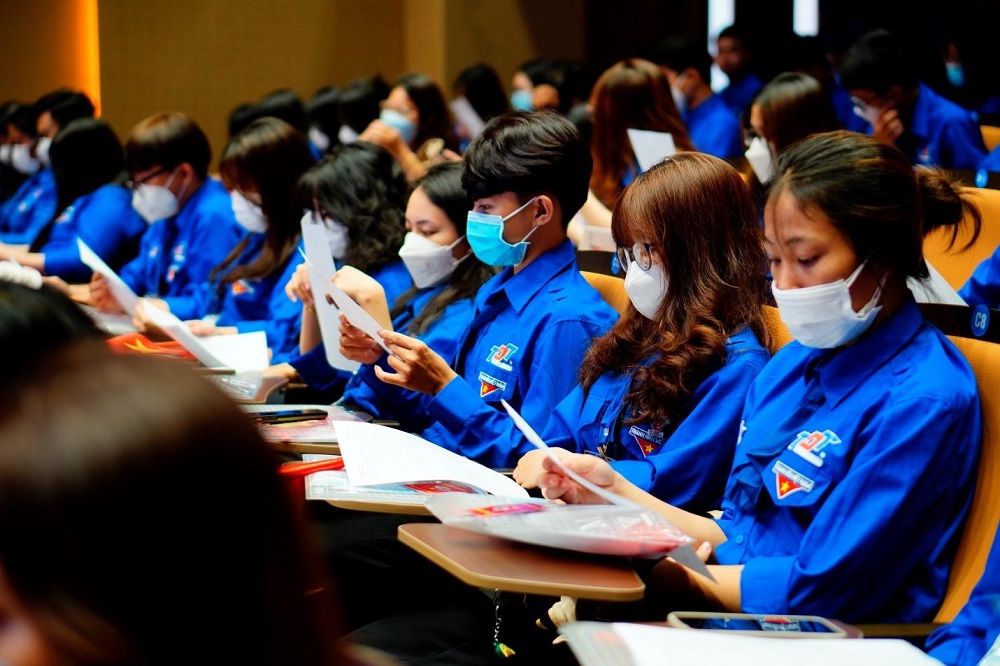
(522, 286)
(841, 371)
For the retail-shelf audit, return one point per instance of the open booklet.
(620, 527)
(397, 467)
(623, 644)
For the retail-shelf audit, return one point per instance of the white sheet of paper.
(356, 314)
(650, 147)
(321, 273)
(121, 291)
(467, 115)
(599, 238)
(242, 352)
(654, 646)
(376, 454)
(935, 290)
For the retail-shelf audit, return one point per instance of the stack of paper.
(376, 455)
(622, 644)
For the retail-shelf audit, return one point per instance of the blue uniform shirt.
(854, 475)
(103, 219)
(312, 366)
(177, 254)
(26, 212)
(370, 394)
(983, 286)
(968, 637)
(738, 94)
(684, 462)
(279, 317)
(941, 133)
(528, 336)
(714, 129)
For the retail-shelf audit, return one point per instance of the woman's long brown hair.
(697, 212)
(634, 94)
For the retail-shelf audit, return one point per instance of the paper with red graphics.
(376, 454)
(621, 527)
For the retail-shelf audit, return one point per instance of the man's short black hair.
(530, 153)
(877, 61)
(65, 106)
(679, 52)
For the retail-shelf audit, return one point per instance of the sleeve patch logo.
(788, 481)
(489, 385)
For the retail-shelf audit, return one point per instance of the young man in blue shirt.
(929, 129)
(713, 127)
(192, 227)
(527, 175)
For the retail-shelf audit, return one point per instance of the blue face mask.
(407, 128)
(485, 234)
(521, 100)
(956, 75)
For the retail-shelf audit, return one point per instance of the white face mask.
(646, 288)
(155, 202)
(759, 157)
(822, 316)
(249, 215)
(347, 135)
(21, 159)
(5, 150)
(42, 150)
(867, 113)
(338, 237)
(319, 139)
(429, 263)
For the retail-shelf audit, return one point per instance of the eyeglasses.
(132, 183)
(640, 253)
(402, 110)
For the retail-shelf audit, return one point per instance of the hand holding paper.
(120, 291)
(418, 367)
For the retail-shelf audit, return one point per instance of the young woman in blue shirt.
(856, 456)
(359, 193)
(438, 308)
(660, 395)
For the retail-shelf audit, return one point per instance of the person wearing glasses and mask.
(660, 395)
(260, 167)
(856, 457)
(904, 112)
(192, 227)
